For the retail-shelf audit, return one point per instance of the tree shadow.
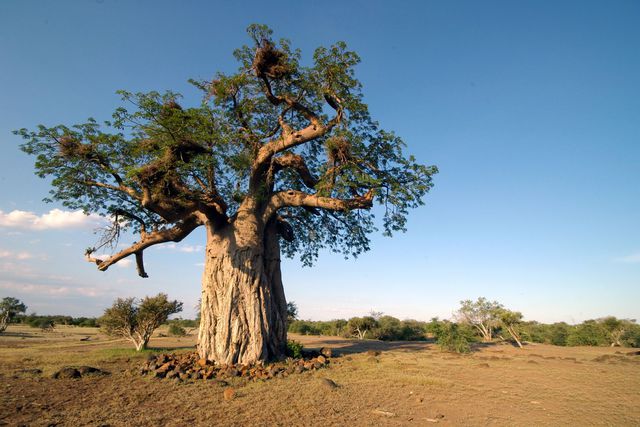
(19, 335)
(346, 346)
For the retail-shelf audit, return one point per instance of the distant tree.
(589, 332)
(376, 314)
(454, 337)
(511, 320)
(483, 315)
(292, 312)
(137, 321)
(616, 329)
(279, 158)
(9, 308)
(559, 333)
(360, 326)
(46, 324)
(631, 337)
(388, 328)
(176, 329)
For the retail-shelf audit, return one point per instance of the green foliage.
(153, 145)
(482, 314)
(455, 337)
(631, 337)
(43, 323)
(176, 330)
(9, 308)
(385, 328)
(589, 332)
(304, 327)
(361, 327)
(136, 321)
(292, 312)
(294, 349)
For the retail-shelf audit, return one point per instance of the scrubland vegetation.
(477, 321)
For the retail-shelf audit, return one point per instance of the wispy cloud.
(124, 263)
(630, 259)
(53, 290)
(54, 219)
(4, 254)
(182, 248)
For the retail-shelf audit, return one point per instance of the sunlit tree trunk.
(243, 309)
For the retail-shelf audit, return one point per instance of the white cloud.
(53, 290)
(124, 263)
(55, 219)
(15, 255)
(182, 248)
(630, 259)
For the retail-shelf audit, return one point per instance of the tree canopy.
(136, 321)
(9, 308)
(293, 141)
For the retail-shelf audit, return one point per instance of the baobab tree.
(279, 158)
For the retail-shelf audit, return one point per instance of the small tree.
(292, 312)
(616, 329)
(453, 337)
(9, 308)
(360, 326)
(136, 322)
(482, 314)
(511, 320)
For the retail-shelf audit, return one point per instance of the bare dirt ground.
(406, 384)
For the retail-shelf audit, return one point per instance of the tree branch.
(174, 234)
(294, 161)
(298, 198)
(121, 188)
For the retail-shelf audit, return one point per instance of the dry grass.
(406, 384)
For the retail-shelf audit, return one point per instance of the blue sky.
(531, 111)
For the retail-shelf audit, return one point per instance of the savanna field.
(372, 383)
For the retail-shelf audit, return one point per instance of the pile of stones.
(189, 366)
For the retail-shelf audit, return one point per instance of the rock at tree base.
(190, 366)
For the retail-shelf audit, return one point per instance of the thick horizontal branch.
(298, 198)
(174, 234)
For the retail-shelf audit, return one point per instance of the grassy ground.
(406, 384)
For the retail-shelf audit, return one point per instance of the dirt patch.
(413, 381)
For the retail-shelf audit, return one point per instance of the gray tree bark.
(243, 309)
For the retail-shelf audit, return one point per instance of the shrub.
(587, 333)
(558, 334)
(455, 338)
(9, 309)
(176, 329)
(304, 327)
(43, 323)
(294, 349)
(137, 321)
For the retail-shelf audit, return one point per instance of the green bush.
(587, 333)
(304, 327)
(176, 329)
(42, 323)
(455, 338)
(88, 323)
(294, 349)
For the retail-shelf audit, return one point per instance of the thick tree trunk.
(243, 309)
